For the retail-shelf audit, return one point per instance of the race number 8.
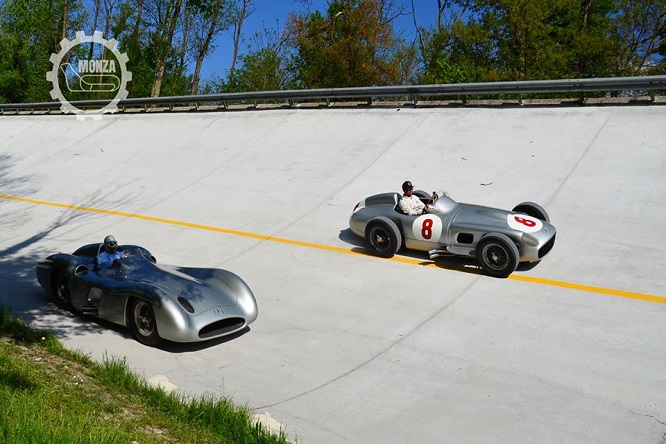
(427, 228)
(524, 223)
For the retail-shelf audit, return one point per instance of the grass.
(51, 395)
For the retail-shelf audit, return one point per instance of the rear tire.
(497, 255)
(383, 237)
(532, 209)
(143, 322)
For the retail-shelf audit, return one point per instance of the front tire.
(497, 255)
(60, 290)
(143, 322)
(383, 237)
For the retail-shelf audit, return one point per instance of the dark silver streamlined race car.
(498, 239)
(156, 301)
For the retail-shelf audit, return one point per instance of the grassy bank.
(51, 395)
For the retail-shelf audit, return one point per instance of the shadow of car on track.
(454, 263)
(187, 347)
(100, 325)
(25, 299)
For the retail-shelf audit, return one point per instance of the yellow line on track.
(534, 280)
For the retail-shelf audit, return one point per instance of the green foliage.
(260, 71)
(266, 67)
(353, 45)
(51, 395)
(450, 72)
(527, 40)
(29, 33)
(639, 37)
(350, 43)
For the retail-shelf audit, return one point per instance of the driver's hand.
(116, 263)
(425, 209)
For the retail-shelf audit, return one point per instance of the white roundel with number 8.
(524, 223)
(427, 228)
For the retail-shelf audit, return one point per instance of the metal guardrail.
(647, 84)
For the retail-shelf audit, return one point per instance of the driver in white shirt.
(409, 203)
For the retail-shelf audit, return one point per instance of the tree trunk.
(172, 19)
(203, 51)
(94, 28)
(238, 27)
(65, 19)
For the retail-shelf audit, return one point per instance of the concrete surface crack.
(377, 355)
(649, 416)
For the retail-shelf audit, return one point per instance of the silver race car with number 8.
(498, 239)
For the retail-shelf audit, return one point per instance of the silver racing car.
(498, 239)
(156, 301)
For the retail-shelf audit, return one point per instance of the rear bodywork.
(452, 228)
(190, 304)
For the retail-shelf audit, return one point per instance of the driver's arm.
(103, 260)
(404, 205)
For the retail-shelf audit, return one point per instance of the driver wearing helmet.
(409, 203)
(109, 253)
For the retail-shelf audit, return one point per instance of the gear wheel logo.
(93, 76)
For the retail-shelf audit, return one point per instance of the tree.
(164, 19)
(353, 45)
(459, 49)
(209, 18)
(265, 67)
(243, 11)
(639, 33)
(489, 40)
(29, 33)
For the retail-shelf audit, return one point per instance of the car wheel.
(143, 323)
(60, 290)
(383, 237)
(532, 209)
(497, 255)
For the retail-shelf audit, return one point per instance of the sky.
(273, 14)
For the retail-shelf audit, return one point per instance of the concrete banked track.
(349, 347)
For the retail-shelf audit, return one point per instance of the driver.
(409, 203)
(109, 253)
